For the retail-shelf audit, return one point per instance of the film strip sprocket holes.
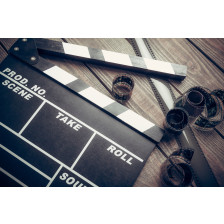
(121, 112)
(202, 172)
(134, 63)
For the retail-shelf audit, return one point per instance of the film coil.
(122, 87)
(206, 116)
(176, 120)
(176, 171)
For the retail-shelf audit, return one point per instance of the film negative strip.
(109, 58)
(202, 172)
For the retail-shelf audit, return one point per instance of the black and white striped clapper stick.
(148, 66)
(122, 113)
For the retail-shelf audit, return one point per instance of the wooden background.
(205, 61)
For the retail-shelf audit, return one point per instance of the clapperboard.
(57, 131)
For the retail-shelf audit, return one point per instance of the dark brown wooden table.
(205, 61)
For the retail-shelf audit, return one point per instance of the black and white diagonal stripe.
(134, 63)
(121, 112)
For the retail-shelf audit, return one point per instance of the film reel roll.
(122, 87)
(176, 120)
(176, 171)
(205, 107)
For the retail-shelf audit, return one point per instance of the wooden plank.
(107, 75)
(8, 42)
(212, 48)
(200, 72)
(220, 128)
(3, 54)
(142, 101)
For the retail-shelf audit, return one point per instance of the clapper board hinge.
(25, 50)
(125, 116)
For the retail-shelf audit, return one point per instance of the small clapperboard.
(57, 131)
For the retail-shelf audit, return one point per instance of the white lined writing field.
(107, 164)
(24, 150)
(20, 171)
(61, 125)
(58, 134)
(72, 104)
(6, 181)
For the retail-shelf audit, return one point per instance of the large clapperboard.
(57, 131)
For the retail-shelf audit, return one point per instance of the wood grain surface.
(3, 54)
(201, 71)
(212, 49)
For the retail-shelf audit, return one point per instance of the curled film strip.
(122, 87)
(209, 112)
(176, 171)
(203, 175)
(176, 120)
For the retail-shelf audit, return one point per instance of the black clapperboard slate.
(51, 136)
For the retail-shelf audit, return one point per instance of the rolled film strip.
(203, 175)
(122, 87)
(176, 120)
(187, 153)
(209, 115)
(220, 94)
(193, 101)
(176, 171)
(194, 96)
